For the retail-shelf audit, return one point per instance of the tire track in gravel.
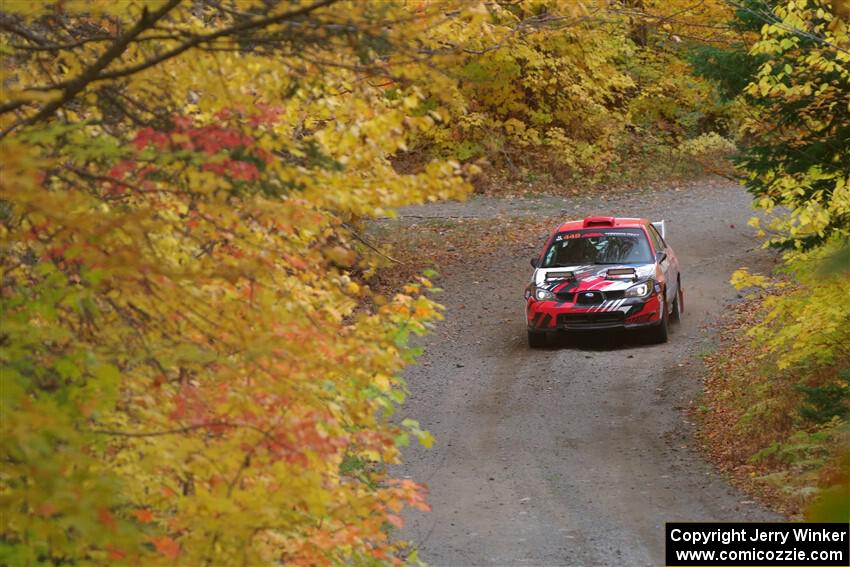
(576, 454)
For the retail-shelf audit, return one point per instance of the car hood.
(599, 277)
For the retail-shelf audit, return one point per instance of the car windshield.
(598, 246)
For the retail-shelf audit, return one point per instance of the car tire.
(659, 333)
(537, 339)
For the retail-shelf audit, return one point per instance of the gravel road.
(575, 454)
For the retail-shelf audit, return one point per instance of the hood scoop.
(621, 274)
(559, 276)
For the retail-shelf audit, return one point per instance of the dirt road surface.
(576, 454)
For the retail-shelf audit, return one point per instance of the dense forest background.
(195, 366)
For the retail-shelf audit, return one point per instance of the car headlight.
(640, 290)
(543, 295)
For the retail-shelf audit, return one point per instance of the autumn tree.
(588, 92)
(797, 166)
(550, 86)
(801, 146)
(730, 64)
(193, 368)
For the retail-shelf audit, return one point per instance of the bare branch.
(368, 244)
(176, 430)
(78, 84)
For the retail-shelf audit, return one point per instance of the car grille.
(582, 299)
(580, 320)
(596, 297)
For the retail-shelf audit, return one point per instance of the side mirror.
(660, 257)
(534, 262)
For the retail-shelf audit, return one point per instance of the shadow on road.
(603, 340)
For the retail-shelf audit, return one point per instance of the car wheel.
(659, 333)
(537, 340)
(676, 312)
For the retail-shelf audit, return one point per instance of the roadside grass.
(753, 424)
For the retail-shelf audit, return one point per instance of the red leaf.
(47, 509)
(142, 138)
(145, 516)
(395, 520)
(166, 546)
(115, 553)
(147, 136)
(106, 518)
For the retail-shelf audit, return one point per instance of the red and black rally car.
(604, 273)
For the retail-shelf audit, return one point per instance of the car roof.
(603, 222)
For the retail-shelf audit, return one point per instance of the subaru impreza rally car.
(604, 273)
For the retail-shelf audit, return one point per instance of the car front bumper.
(631, 313)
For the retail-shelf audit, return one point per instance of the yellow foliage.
(191, 371)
